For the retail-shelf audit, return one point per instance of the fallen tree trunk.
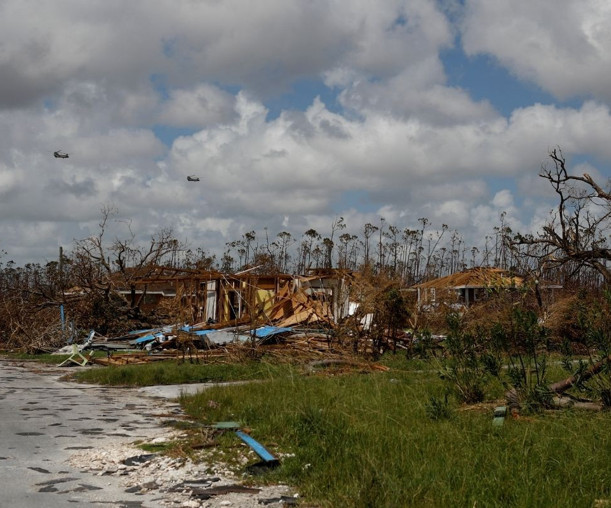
(559, 387)
(562, 386)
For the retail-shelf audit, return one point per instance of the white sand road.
(64, 444)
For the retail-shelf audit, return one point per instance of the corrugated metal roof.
(480, 277)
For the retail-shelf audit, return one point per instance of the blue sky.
(293, 114)
(485, 79)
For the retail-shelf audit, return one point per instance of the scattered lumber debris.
(248, 316)
(314, 349)
(298, 308)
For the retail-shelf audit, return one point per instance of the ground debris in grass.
(482, 406)
(138, 459)
(222, 489)
(178, 481)
(189, 484)
(279, 500)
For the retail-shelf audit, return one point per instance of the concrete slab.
(45, 420)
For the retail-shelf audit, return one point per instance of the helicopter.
(192, 178)
(60, 155)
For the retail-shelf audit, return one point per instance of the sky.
(292, 113)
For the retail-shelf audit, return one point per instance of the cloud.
(416, 93)
(501, 209)
(102, 80)
(562, 46)
(198, 107)
(46, 47)
(53, 44)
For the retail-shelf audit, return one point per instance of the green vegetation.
(373, 440)
(156, 447)
(173, 372)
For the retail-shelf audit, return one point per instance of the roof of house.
(480, 277)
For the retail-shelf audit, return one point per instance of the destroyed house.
(330, 286)
(466, 287)
(248, 295)
(147, 287)
(150, 297)
(205, 295)
(318, 298)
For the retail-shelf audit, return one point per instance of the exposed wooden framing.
(239, 297)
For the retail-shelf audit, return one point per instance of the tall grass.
(173, 372)
(366, 440)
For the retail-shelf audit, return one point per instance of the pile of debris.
(299, 308)
(304, 321)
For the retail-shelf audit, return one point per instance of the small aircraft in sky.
(192, 178)
(60, 155)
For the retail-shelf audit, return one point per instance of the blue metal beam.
(258, 448)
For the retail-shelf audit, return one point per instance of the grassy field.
(363, 440)
(173, 372)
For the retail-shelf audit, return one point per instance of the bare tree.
(432, 243)
(305, 249)
(99, 265)
(368, 231)
(347, 251)
(393, 236)
(328, 242)
(578, 231)
(285, 239)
